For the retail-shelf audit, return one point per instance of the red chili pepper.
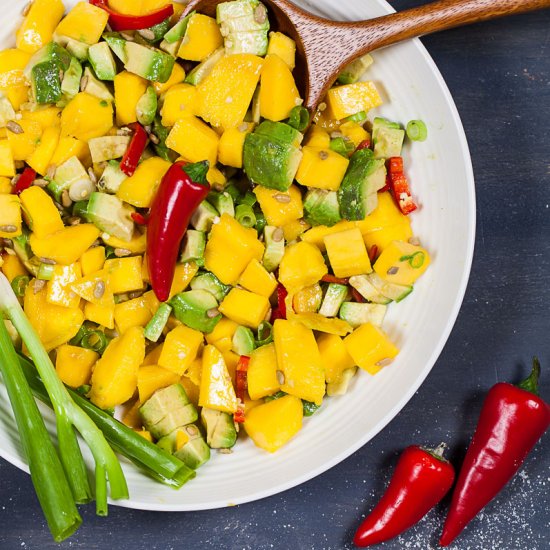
(357, 296)
(24, 181)
(399, 185)
(328, 278)
(373, 252)
(512, 420)
(180, 192)
(280, 311)
(365, 144)
(140, 219)
(241, 383)
(135, 149)
(421, 479)
(122, 22)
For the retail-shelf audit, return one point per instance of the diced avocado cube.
(46, 82)
(204, 216)
(112, 177)
(357, 314)
(102, 61)
(67, 174)
(321, 207)
(78, 49)
(381, 122)
(252, 42)
(202, 70)
(91, 85)
(222, 202)
(357, 194)
(170, 48)
(196, 309)
(243, 341)
(209, 282)
(117, 44)
(50, 52)
(340, 387)
(156, 33)
(334, 297)
(391, 291)
(354, 71)
(220, 428)
(153, 329)
(254, 22)
(22, 247)
(177, 32)
(195, 452)
(389, 142)
(149, 63)
(70, 84)
(172, 420)
(146, 107)
(274, 247)
(238, 8)
(279, 131)
(194, 243)
(108, 147)
(111, 215)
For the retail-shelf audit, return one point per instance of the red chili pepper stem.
(531, 383)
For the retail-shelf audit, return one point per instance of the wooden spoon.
(325, 47)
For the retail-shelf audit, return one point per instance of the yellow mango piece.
(10, 216)
(137, 244)
(24, 144)
(55, 325)
(230, 249)
(215, 177)
(275, 423)
(13, 83)
(194, 372)
(191, 389)
(151, 378)
(193, 140)
(176, 76)
(278, 91)
(216, 389)
(183, 275)
(299, 359)
(262, 372)
(347, 253)
(201, 38)
(344, 101)
(129, 88)
(5, 185)
(179, 101)
(224, 329)
(114, 379)
(17, 95)
(152, 358)
(231, 361)
(39, 24)
(334, 356)
(354, 132)
(180, 349)
(257, 279)
(283, 46)
(278, 212)
(102, 315)
(224, 344)
(370, 348)
(11, 266)
(40, 212)
(294, 229)
(308, 299)
(124, 274)
(402, 263)
(7, 166)
(74, 365)
(84, 23)
(244, 307)
(58, 288)
(322, 168)
(139, 189)
(316, 235)
(46, 116)
(317, 137)
(132, 313)
(224, 96)
(66, 246)
(154, 5)
(92, 260)
(302, 265)
(320, 323)
(96, 289)
(68, 147)
(42, 155)
(131, 416)
(127, 7)
(230, 146)
(86, 117)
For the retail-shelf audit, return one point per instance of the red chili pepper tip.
(132, 155)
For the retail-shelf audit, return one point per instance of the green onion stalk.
(69, 417)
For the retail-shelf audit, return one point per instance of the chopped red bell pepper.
(123, 22)
(24, 182)
(373, 253)
(399, 185)
(280, 311)
(135, 149)
(241, 383)
(328, 278)
(140, 219)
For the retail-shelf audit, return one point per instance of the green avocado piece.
(274, 248)
(203, 69)
(177, 32)
(148, 62)
(70, 84)
(196, 309)
(196, 451)
(117, 44)
(46, 82)
(354, 71)
(70, 172)
(220, 428)
(253, 42)
(357, 314)
(146, 107)
(112, 177)
(209, 282)
(102, 61)
(321, 207)
(93, 86)
(194, 243)
(109, 214)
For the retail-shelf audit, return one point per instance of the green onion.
(359, 117)
(415, 260)
(19, 285)
(245, 215)
(45, 272)
(261, 222)
(154, 328)
(80, 209)
(95, 340)
(416, 130)
(299, 118)
(277, 395)
(51, 485)
(248, 198)
(265, 334)
(233, 191)
(342, 146)
(309, 407)
(68, 417)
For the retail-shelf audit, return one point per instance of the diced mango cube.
(230, 146)
(302, 265)
(191, 388)
(140, 188)
(354, 132)
(180, 349)
(129, 88)
(320, 323)
(46, 115)
(275, 423)
(136, 245)
(299, 359)
(39, 24)
(370, 348)
(183, 275)
(11, 266)
(317, 137)
(40, 212)
(334, 356)
(322, 168)
(84, 23)
(10, 214)
(262, 372)
(344, 101)
(216, 389)
(74, 365)
(402, 263)
(100, 314)
(132, 313)
(347, 253)
(59, 290)
(7, 165)
(151, 378)
(292, 230)
(223, 330)
(23, 144)
(96, 289)
(92, 260)
(5, 185)
(230, 249)
(201, 38)
(42, 155)
(124, 274)
(176, 76)
(86, 117)
(283, 46)
(279, 210)
(257, 279)
(179, 101)
(193, 140)
(68, 147)
(244, 307)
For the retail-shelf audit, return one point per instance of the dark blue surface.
(499, 76)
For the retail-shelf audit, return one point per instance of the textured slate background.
(499, 75)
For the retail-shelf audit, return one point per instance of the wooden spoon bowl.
(325, 47)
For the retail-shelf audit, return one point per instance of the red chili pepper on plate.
(135, 149)
(512, 420)
(180, 192)
(280, 311)
(399, 186)
(241, 383)
(421, 479)
(24, 181)
(123, 22)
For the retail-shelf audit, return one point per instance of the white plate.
(441, 176)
